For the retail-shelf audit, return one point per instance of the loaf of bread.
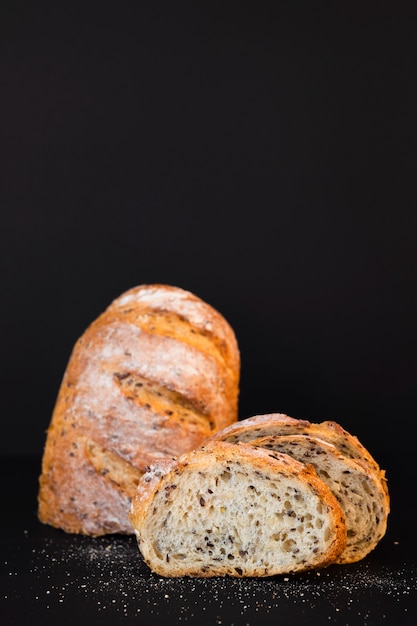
(152, 377)
(236, 510)
(340, 460)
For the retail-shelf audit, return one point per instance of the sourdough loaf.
(152, 377)
(235, 510)
(341, 461)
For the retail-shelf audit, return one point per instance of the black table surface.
(50, 577)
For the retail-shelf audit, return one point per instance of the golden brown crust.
(153, 376)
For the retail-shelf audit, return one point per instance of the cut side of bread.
(152, 377)
(282, 424)
(236, 510)
(356, 487)
(340, 460)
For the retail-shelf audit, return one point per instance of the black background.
(260, 155)
(263, 156)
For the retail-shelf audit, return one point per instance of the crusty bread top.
(235, 510)
(164, 335)
(154, 375)
(179, 314)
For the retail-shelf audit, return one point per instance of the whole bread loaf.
(152, 377)
(236, 510)
(340, 460)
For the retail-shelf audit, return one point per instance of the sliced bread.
(339, 458)
(356, 487)
(236, 510)
(282, 424)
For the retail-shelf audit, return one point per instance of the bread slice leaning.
(356, 487)
(154, 375)
(282, 424)
(340, 460)
(235, 510)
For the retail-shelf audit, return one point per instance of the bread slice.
(356, 487)
(282, 424)
(153, 376)
(340, 460)
(236, 510)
